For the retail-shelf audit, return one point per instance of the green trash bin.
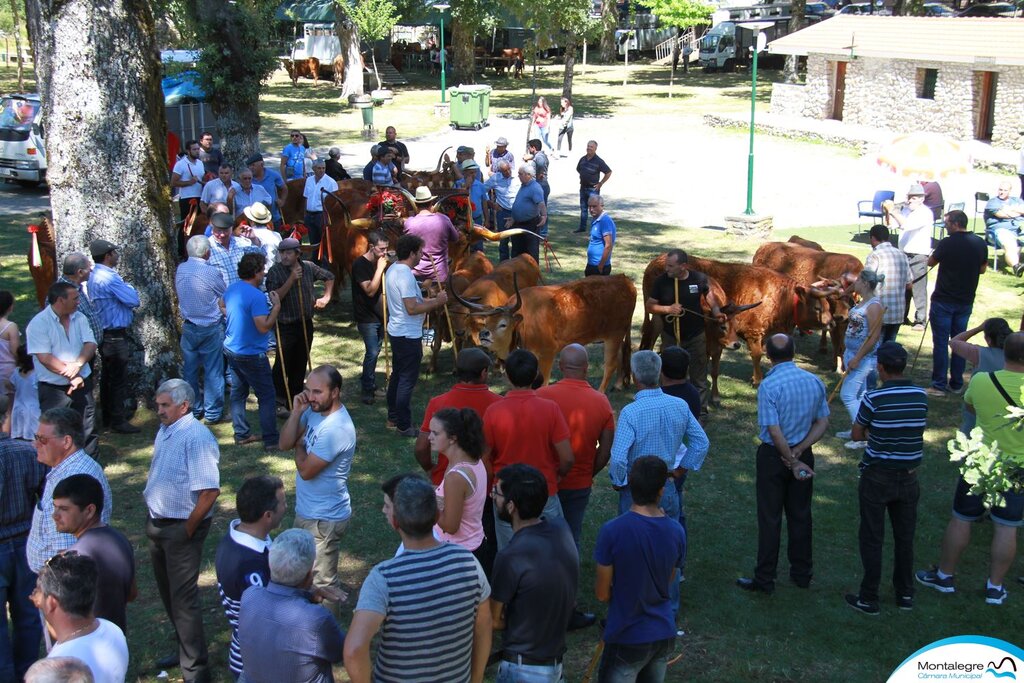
(469, 106)
(368, 116)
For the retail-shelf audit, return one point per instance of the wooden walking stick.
(835, 391)
(598, 649)
(384, 311)
(447, 315)
(305, 333)
(675, 322)
(284, 370)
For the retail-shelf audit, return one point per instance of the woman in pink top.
(459, 434)
(541, 117)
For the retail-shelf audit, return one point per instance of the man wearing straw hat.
(436, 231)
(293, 280)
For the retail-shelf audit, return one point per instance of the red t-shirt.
(475, 396)
(524, 428)
(588, 413)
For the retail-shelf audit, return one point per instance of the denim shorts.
(969, 508)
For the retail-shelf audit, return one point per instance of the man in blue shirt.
(271, 181)
(249, 319)
(477, 194)
(115, 300)
(1004, 218)
(602, 239)
(637, 555)
(505, 188)
(321, 431)
(293, 158)
(792, 412)
(528, 212)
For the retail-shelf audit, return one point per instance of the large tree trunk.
(17, 45)
(609, 22)
(572, 41)
(99, 77)
(462, 44)
(348, 36)
(796, 22)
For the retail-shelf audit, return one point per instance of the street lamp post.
(755, 46)
(444, 91)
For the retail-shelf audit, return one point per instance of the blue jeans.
(17, 582)
(545, 138)
(503, 530)
(252, 371)
(373, 339)
(510, 672)
(203, 347)
(407, 354)
(574, 505)
(585, 194)
(642, 663)
(947, 320)
(855, 384)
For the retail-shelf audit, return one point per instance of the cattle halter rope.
(384, 313)
(302, 319)
(447, 315)
(675, 322)
(284, 369)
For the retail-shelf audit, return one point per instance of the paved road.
(15, 199)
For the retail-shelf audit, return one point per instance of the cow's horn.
(440, 158)
(519, 298)
(478, 308)
(361, 223)
(408, 196)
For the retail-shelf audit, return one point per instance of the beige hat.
(915, 190)
(423, 195)
(258, 213)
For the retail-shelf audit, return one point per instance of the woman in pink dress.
(459, 434)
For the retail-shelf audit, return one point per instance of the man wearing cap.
(436, 231)
(316, 185)
(961, 257)
(892, 420)
(401, 151)
(528, 212)
(505, 186)
(62, 345)
(115, 301)
(247, 193)
(200, 288)
(187, 177)
(915, 222)
(500, 153)
(292, 279)
(334, 168)
(594, 173)
(271, 181)
(1004, 220)
(226, 250)
(217, 191)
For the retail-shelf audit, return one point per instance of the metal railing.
(663, 51)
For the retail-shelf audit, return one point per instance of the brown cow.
(489, 291)
(42, 257)
(544, 319)
(796, 239)
(441, 178)
(472, 267)
(511, 59)
(338, 70)
(809, 266)
(785, 304)
(302, 68)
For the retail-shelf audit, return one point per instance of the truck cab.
(718, 47)
(22, 146)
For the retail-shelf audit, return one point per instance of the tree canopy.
(681, 13)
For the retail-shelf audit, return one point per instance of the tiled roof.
(943, 39)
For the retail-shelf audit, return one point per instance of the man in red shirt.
(592, 428)
(471, 370)
(524, 428)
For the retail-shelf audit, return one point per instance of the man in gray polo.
(181, 489)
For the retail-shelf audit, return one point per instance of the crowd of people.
(489, 539)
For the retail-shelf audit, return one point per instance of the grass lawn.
(795, 635)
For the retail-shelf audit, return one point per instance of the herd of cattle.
(789, 285)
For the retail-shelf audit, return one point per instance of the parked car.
(991, 9)
(936, 9)
(865, 8)
(818, 9)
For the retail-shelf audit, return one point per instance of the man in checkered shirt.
(889, 261)
(181, 489)
(226, 250)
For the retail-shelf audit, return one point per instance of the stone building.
(963, 77)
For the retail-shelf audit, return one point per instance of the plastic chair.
(939, 225)
(873, 208)
(982, 199)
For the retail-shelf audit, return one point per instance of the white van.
(22, 146)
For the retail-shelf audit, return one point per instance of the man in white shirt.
(915, 222)
(406, 310)
(219, 190)
(65, 593)
(315, 185)
(187, 177)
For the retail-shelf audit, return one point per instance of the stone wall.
(885, 93)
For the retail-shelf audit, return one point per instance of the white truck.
(22, 145)
(643, 36)
(727, 44)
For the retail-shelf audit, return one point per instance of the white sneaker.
(853, 445)
(845, 434)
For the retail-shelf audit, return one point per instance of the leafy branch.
(989, 470)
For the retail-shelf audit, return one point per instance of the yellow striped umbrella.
(924, 156)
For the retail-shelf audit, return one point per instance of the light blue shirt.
(399, 284)
(216, 192)
(255, 194)
(654, 424)
(271, 182)
(112, 297)
(45, 334)
(792, 399)
(601, 226)
(294, 157)
(199, 285)
(186, 460)
(333, 440)
(504, 190)
(477, 195)
(526, 207)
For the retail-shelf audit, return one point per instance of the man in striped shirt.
(892, 420)
(428, 604)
